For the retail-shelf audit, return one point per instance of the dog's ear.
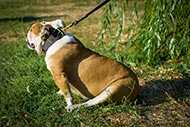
(48, 27)
(56, 23)
(46, 31)
(59, 23)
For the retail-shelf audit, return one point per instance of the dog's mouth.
(31, 46)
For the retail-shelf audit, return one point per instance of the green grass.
(28, 93)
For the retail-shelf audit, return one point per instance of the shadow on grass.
(29, 18)
(157, 91)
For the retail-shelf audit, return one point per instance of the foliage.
(114, 10)
(162, 33)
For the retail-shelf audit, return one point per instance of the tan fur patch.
(36, 28)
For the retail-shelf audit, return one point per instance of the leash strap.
(86, 15)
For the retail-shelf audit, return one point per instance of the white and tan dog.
(76, 69)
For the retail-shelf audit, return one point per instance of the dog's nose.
(32, 46)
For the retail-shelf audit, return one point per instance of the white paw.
(60, 92)
(72, 107)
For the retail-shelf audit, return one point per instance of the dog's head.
(39, 32)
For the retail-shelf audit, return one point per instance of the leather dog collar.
(56, 34)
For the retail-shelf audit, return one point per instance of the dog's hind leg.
(102, 97)
(116, 91)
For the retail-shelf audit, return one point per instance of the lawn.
(28, 93)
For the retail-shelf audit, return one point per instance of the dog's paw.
(60, 92)
(72, 107)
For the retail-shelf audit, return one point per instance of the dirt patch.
(7, 37)
(70, 10)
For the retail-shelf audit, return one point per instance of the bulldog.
(78, 70)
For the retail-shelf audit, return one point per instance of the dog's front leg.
(63, 84)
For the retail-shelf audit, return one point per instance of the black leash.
(86, 15)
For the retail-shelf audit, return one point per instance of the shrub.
(162, 33)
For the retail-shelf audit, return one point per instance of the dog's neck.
(55, 35)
